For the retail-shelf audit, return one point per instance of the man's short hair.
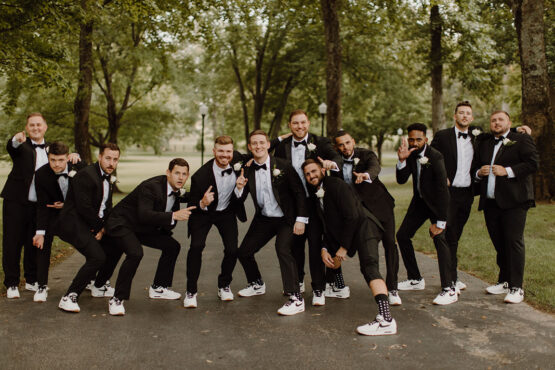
(296, 112)
(310, 161)
(464, 103)
(500, 111)
(418, 127)
(178, 162)
(111, 146)
(258, 132)
(339, 134)
(58, 148)
(36, 114)
(223, 140)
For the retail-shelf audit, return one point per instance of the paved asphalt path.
(479, 332)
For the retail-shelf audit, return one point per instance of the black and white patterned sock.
(339, 283)
(383, 306)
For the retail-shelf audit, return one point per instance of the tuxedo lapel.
(212, 182)
(287, 145)
(453, 144)
(252, 183)
(274, 186)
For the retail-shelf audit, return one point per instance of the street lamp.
(203, 112)
(399, 131)
(322, 108)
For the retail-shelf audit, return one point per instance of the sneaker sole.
(496, 293)
(395, 304)
(167, 298)
(190, 306)
(337, 296)
(411, 288)
(377, 334)
(318, 304)
(225, 299)
(118, 314)
(252, 295)
(72, 311)
(289, 314)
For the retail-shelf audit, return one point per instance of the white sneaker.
(499, 288)
(91, 284)
(69, 303)
(411, 284)
(515, 295)
(12, 292)
(41, 294)
(301, 287)
(318, 298)
(32, 287)
(292, 306)
(253, 289)
(333, 292)
(378, 327)
(225, 294)
(190, 300)
(104, 291)
(393, 298)
(115, 307)
(446, 296)
(460, 285)
(162, 293)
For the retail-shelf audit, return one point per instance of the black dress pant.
(390, 249)
(506, 230)
(19, 227)
(261, 230)
(226, 223)
(460, 205)
(131, 244)
(417, 213)
(43, 260)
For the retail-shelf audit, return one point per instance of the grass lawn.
(476, 253)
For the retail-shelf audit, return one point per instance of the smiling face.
(178, 176)
(57, 162)
(499, 123)
(223, 154)
(314, 174)
(108, 160)
(259, 145)
(463, 117)
(36, 128)
(346, 145)
(299, 125)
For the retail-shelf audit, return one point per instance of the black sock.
(383, 306)
(339, 283)
(298, 295)
(259, 282)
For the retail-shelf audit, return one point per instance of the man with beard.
(212, 192)
(430, 201)
(504, 163)
(350, 228)
(360, 170)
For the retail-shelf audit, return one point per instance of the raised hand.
(360, 177)
(183, 214)
(327, 164)
(403, 152)
(241, 180)
(20, 136)
(285, 136)
(38, 241)
(74, 158)
(207, 198)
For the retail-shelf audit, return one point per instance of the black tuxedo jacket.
(201, 181)
(287, 188)
(521, 157)
(19, 180)
(373, 195)
(82, 204)
(144, 210)
(324, 150)
(433, 181)
(49, 192)
(343, 216)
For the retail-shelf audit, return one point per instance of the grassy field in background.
(476, 253)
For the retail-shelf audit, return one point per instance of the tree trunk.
(82, 103)
(536, 109)
(333, 68)
(275, 126)
(438, 120)
(380, 139)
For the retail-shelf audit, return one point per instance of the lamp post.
(399, 131)
(322, 108)
(203, 112)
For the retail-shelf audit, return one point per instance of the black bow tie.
(259, 166)
(106, 178)
(174, 193)
(348, 161)
(42, 146)
(498, 139)
(227, 171)
(463, 135)
(297, 143)
(63, 174)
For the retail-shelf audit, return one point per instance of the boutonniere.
(311, 147)
(182, 192)
(237, 166)
(72, 173)
(356, 160)
(508, 142)
(424, 161)
(476, 132)
(320, 193)
(276, 172)
(113, 179)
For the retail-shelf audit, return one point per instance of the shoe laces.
(116, 301)
(41, 289)
(226, 289)
(318, 293)
(190, 295)
(514, 290)
(394, 293)
(73, 297)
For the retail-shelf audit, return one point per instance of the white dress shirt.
(465, 152)
(298, 158)
(41, 160)
(348, 171)
(491, 177)
(264, 193)
(225, 185)
(105, 193)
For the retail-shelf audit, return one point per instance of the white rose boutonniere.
(356, 160)
(72, 173)
(311, 147)
(424, 161)
(182, 192)
(113, 179)
(508, 142)
(320, 193)
(476, 132)
(276, 172)
(237, 166)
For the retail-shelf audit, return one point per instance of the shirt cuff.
(238, 192)
(304, 220)
(401, 165)
(369, 179)
(202, 208)
(336, 169)
(441, 224)
(477, 177)
(510, 173)
(173, 221)
(40, 232)
(15, 143)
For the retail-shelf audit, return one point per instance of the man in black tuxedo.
(19, 208)
(52, 182)
(504, 163)
(360, 170)
(302, 145)
(86, 207)
(146, 216)
(430, 201)
(349, 227)
(280, 203)
(212, 192)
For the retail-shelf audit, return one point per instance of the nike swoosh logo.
(298, 304)
(411, 283)
(257, 288)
